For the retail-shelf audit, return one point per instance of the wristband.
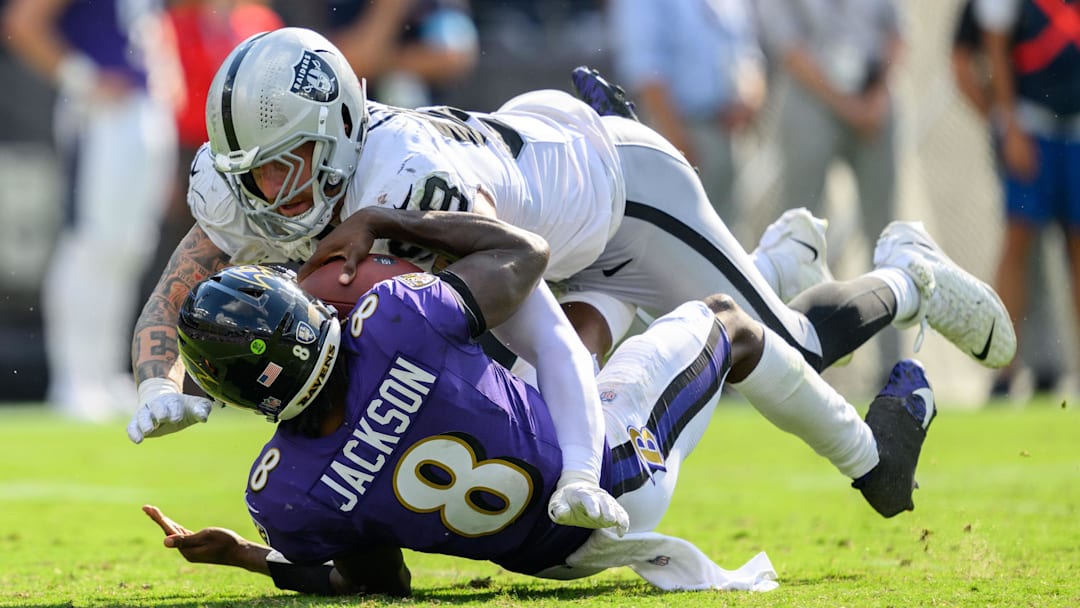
(152, 388)
(76, 75)
(573, 476)
(294, 577)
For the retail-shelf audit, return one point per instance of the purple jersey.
(442, 449)
(103, 31)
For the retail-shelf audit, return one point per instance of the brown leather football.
(323, 283)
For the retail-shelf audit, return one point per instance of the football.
(323, 283)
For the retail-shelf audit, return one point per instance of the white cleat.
(959, 306)
(794, 247)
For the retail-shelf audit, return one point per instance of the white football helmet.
(275, 92)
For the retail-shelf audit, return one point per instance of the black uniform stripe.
(509, 135)
(698, 243)
(668, 431)
(377, 122)
(227, 93)
(475, 316)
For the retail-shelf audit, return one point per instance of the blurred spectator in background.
(115, 130)
(207, 30)
(1042, 351)
(1033, 48)
(970, 67)
(696, 72)
(835, 58)
(406, 49)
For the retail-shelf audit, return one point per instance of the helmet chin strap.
(324, 113)
(335, 177)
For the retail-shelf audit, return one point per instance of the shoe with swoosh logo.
(606, 98)
(794, 248)
(898, 417)
(963, 309)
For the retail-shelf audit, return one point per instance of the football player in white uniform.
(115, 149)
(295, 149)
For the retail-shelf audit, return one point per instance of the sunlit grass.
(997, 521)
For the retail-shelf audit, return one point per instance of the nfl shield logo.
(305, 334)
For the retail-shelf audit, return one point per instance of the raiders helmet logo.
(314, 79)
(305, 334)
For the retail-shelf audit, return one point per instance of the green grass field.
(997, 521)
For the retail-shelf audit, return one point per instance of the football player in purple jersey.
(396, 431)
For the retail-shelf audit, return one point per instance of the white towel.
(671, 563)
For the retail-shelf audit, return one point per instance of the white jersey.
(626, 218)
(543, 159)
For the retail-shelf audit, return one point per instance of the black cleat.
(606, 98)
(899, 418)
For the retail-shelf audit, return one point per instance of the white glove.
(165, 410)
(580, 501)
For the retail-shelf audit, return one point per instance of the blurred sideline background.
(946, 177)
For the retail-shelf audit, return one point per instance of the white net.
(945, 179)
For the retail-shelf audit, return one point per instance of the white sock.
(908, 296)
(791, 395)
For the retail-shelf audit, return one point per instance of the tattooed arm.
(153, 351)
(154, 355)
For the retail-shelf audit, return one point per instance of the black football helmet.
(252, 338)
